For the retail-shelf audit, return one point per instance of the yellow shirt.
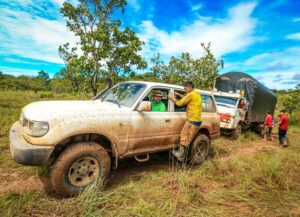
(194, 105)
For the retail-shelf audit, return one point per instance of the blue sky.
(259, 37)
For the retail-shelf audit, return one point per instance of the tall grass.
(259, 184)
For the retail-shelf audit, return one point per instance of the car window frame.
(133, 104)
(148, 90)
(202, 94)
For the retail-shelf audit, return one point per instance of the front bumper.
(226, 126)
(25, 153)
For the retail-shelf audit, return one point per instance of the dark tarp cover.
(260, 98)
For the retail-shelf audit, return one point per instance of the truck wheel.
(199, 149)
(237, 132)
(78, 166)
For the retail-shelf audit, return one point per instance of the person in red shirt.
(268, 126)
(283, 127)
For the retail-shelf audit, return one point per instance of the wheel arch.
(204, 131)
(100, 139)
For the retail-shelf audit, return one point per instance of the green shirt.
(160, 107)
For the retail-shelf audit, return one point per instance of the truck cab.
(232, 108)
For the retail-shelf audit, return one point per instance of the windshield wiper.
(113, 101)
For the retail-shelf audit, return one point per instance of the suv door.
(151, 130)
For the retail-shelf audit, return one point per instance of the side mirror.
(144, 106)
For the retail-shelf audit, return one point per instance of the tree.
(106, 49)
(291, 101)
(44, 76)
(60, 85)
(74, 67)
(201, 71)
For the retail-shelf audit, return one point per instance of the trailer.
(258, 98)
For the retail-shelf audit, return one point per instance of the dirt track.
(20, 182)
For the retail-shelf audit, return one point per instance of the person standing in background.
(283, 127)
(268, 126)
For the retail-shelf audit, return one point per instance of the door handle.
(168, 120)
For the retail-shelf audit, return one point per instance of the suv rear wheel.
(79, 166)
(199, 149)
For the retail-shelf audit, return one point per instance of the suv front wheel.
(79, 166)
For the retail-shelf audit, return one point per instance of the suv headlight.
(35, 128)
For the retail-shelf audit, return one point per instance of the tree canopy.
(107, 49)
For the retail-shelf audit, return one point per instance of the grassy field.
(246, 177)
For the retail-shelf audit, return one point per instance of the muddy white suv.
(82, 139)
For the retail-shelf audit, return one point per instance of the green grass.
(259, 183)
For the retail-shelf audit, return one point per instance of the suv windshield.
(124, 94)
(220, 100)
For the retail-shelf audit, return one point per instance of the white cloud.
(297, 19)
(288, 57)
(134, 4)
(275, 69)
(229, 34)
(13, 60)
(196, 7)
(295, 36)
(18, 71)
(31, 36)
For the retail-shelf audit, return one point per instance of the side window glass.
(177, 108)
(204, 103)
(208, 104)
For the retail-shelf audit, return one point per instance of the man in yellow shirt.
(193, 101)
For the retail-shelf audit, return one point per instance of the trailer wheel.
(237, 132)
(79, 166)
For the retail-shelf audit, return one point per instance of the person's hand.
(170, 96)
(177, 94)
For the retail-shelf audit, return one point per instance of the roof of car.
(152, 84)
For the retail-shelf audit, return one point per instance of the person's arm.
(179, 95)
(277, 124)
(265, 123)
(182, 102)
(171, 97)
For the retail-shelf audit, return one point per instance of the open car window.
(176, 107)
(208, 104)
(165, 100)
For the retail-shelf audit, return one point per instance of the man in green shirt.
(156, 104)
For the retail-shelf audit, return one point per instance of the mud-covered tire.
(60, 177)
(236, 133)
(199, 150)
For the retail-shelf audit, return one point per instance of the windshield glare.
(124, 94)
(225, 100)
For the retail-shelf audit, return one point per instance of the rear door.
(210, 117)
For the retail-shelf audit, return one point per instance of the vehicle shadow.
(129, 169)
